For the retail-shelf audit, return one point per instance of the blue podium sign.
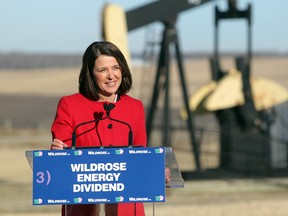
(94, 176)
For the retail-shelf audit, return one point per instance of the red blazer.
(75, 109)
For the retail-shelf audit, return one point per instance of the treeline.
(31, 61)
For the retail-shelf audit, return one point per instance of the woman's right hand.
(58, 145)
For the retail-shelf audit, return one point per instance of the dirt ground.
(213, 197)
(217, 197)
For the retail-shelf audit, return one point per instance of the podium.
(102, 175)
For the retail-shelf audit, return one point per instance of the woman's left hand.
(167, 175)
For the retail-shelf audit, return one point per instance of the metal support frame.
(162, 82)
(247, 112)
(232, 13)
(239, 119)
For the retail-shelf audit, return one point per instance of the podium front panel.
(93, 176)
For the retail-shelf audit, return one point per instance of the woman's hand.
(58, 145)
(167, 175)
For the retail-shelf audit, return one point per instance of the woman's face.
(108, 76)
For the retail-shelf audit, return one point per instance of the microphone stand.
(108, 108)
(74, 136)
(130, 134)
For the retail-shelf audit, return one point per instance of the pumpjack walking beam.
(170, 37)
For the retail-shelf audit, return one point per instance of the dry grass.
(250, 197)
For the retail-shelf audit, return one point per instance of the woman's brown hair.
(87, 83)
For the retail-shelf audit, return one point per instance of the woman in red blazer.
(104, 78)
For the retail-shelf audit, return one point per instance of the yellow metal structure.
(114, 28)
(228, 93)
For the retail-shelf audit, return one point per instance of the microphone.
(108, 108)
(81, 124)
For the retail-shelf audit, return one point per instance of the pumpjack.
(244, 128)
(251, 137)
(166, 12)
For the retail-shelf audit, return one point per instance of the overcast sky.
(69, 26)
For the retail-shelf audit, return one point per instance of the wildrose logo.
(38, 201)
(119, 199)
(38, 153)
(119, 151)
(159, 150)
(78, 200)
(78, 152)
